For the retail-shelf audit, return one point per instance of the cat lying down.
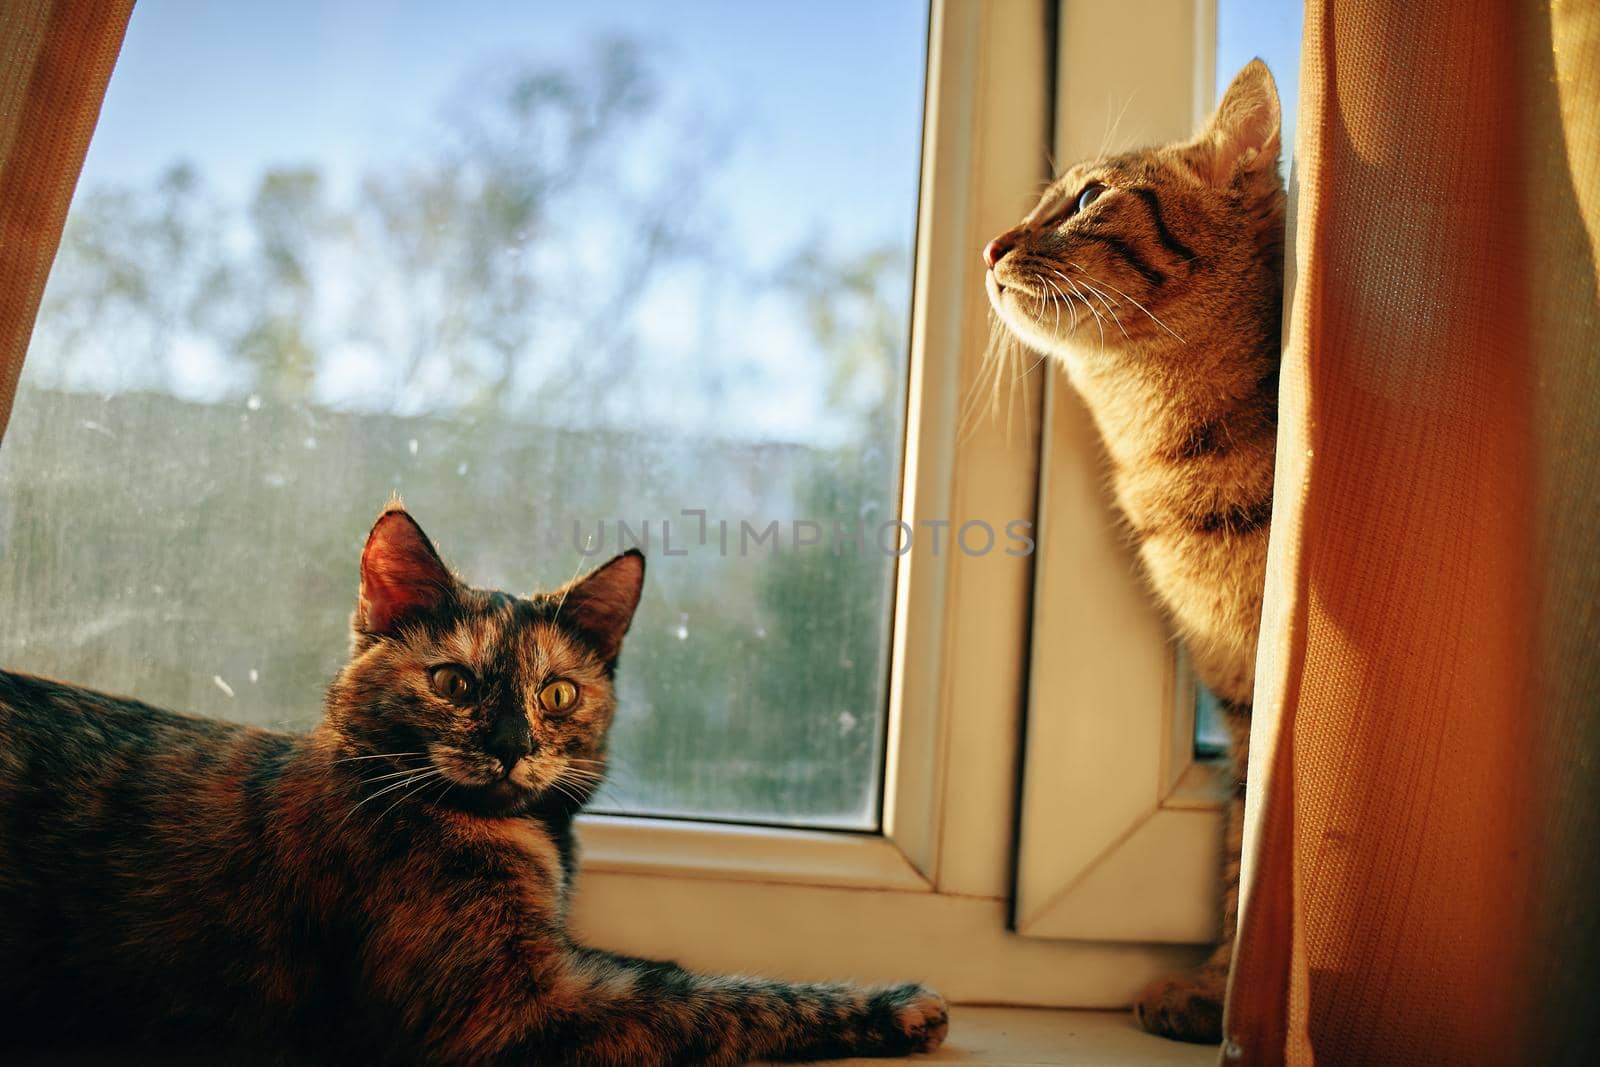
(391, 887)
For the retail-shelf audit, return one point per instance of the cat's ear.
(402, 576)
(1242, 135)
(601, 603)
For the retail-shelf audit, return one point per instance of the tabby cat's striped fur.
(1155, 278)
(391, 887)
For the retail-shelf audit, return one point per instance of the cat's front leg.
(618, 1010)
(1189, 1007)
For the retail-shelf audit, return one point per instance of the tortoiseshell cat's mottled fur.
(391, 887)
(1155, 278)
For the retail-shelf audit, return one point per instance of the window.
(569, 279)
(217, 481)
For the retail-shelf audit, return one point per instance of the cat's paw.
(1184, 1007)
(919, 1016)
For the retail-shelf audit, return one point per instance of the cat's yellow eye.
(1090, 194)
(558, 697)
(453, 683)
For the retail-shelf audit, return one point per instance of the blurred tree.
(496, 269)
(291, 222)
(856, 306)
(830, 605)
(137, 274)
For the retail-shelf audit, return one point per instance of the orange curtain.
(1423, 856)
(55, 59)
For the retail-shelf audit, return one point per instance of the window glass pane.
(1211, 738)
(537, 267)
(1269, 29)
(1247, 29)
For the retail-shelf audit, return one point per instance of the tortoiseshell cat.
(391, 887)
(1155, 277)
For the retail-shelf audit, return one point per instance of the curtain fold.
(55, 60)
(1424, 838)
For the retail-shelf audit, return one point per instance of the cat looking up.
(1155, 278)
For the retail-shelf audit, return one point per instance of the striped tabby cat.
(391, 887)
(1155, 278)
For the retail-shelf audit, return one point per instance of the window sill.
(673, 847)
(979, 1037)
(1032, 1037)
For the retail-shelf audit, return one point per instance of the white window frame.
(931, 895)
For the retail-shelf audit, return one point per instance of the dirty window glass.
(568, 278)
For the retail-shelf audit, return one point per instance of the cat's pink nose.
(996, 249)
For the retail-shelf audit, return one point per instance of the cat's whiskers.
(416, 774)
(605, 779)
(1086, 299)
(973, 399)
(1071, 310)
(1099, 319)
(380, 755)
(580, 777)
(565, 789)
(1031, 368)
(1045, 286)
(425, 779)
(579, 774)
(578, 784)
(1110, 306)
(1111, 127)
(406, 778)
(582, 762)
(1000, 354)
(1129, 299)
(1058, 298)
(392, 774)
(1082, 283)
(1039, 300)
(1071, 305)
(587, 778)
(991, 369)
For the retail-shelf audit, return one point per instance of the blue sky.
(820, 102)
(826, 95)
(1269, 29)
